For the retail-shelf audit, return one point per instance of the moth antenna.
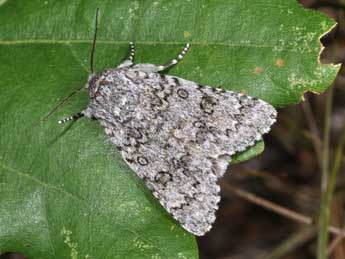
(64, 100)
(76, 91)
(94, 41)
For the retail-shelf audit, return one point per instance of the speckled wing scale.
(177, 135)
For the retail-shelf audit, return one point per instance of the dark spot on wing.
(207, 104)
(129, 160)
(142, 160)
(163, 178)
(182, 93)
(177, 81)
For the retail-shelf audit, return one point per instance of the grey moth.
(175, 134)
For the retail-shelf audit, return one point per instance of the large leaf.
(64, 190)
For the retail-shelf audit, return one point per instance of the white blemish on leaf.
(156, 256)
(181, 256)
(295, 81)
(149, 209)
(186, 34)
(280, 47)
(140, 244)
(246, 42)
(302, 40)
(68, 241)
(131, 10)
(324, 26)
(131, 207)
(299, 82)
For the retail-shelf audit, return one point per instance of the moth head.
(92, 84)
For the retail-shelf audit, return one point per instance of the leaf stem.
(332, 182)
(324, 207)
(313, 128)
(292, 242)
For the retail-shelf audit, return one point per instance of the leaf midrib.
(79, 41)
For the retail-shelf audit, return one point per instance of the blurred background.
(270, 204)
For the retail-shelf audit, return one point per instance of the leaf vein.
(42, 183)
(81, 41)
(49, 186)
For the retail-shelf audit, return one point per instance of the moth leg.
(72, 118)
(130, 59)
(175, 60)
(131, 52)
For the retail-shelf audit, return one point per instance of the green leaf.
(257, 149)
(64, 190)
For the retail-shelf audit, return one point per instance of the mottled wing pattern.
(178, 136)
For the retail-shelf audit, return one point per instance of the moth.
(175, 134)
